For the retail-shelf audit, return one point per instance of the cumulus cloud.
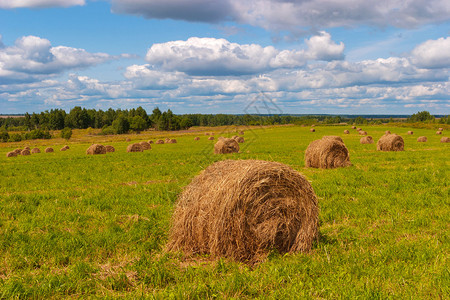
(432, 54)
(144, 77)
(9, 4)
(33, 58)
(293, 14)
(210, 56)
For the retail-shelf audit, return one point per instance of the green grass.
(73, 225)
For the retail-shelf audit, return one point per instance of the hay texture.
(390, 142)
(438, 132)
(422, 139)
(172, 141)
(159, 142)
(17, 151)
(110, 148)
(366, 140)
(26, 148)
(445, 139)
(333, 137)
(25, 152)
(410, 132)
(150, 142)
(387, 132)
(211, 138)
(441, 129)
(206, 133)
(65, 148)
(145, 145)
(225, 146)
(96, 149)
(49, 150)
(312, 130)
(346, 131)
(241, 132)
(11, 154)
(243, 210)
(362, 132)
(196, 138)
(239, 139)
(35, 150)
(353, 127)
(327, 153)
(136, 147)
(358, 129)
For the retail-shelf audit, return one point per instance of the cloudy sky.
(220, 56)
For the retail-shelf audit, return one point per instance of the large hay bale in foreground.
(25, 152)
(225, 145)
(390, 142)
(159, 142)
(35, 150)
(346, 131)
(145, 145)
(327, 153)
(410, 132)
(11, 154)
(366, 140)
(438, 132)
(48, 150)
(333, 137)
(243, 210)
(136, 147)
(96, 149)
(422, 139)
(445, 139)
(110, 148)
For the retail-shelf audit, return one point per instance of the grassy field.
(73, 225)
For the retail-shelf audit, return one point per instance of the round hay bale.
(327, 153)
(313, 125)
(206, 133)
(312, 130)
(353, 127)
(48, 150)
(243, 210)
(390, 142)
(26, 148)
(212, 133)
(110, 148)
(128, 140)
(11, 154)
(366, 140)
(241, 132)
(96, 149)
(441, 129)
(35, 150)
(333, 137)
(136, 147)
(211, 138)
(17, 151)
(346, 131)
(239, 139)
(159, 142)
(167, 140)
(410, 132)
(422, 139)
(438, 132)
(25, 152)
(387, 132)
(150, 142)
(224, 146)
(67, 147)
(172, 141)
(358, 129)
(362, 132)
(196, 138)
(63, 149)
(145, 145)
(445, 139)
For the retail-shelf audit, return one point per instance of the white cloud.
(144, 77)
(9, 4)
(321, 47)
(432, 54)
(293, 14)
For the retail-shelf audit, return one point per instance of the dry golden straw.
(312, 130)
(239, 139)
(96, 149)
(327, 153)
(445, 139)
(438, 132)
(410, 132)
(25, 152)
(159, 142)
(48, 150)
(243, 210)
(136, 147)
(211, 138)
(390, 142)
(35, 150)
(145, 145)
(422, 139)
(366, 140)
(346, 131)
(110, 148)
(225, 145)
(196, 138)
(11, 154)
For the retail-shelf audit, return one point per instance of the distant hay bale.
(366, 140)
(387, 132)
(358, 129)
(445, 139)
(333, 137)
(422, 139)
(362, 132)
(150, 142)
(390, 142)
(241, 132)
(67, 147)
(35, 150)
(25, 152)
(136, 147)
(49, 150)
(11, 154)
(441, 129)
(410, 132)
(172, 141)
(167, 141)
(353, 127)
(206, 133)
(239, 139)
(196, 138)
(145, 145)
(313, 125)
(159, 142)
(96, 149)
(63, 149)
(346, 131)
(110, 148)
(438, 132)
(312, 130)
(327, 153)
(212, 133)
(225, 146)
(243, 210)
(211, 138)
(17, 151)
(128, 140)
(26, 148)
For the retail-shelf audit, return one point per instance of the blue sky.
(203, 56)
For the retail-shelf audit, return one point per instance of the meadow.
(79, 226)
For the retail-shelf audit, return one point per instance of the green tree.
(121, 124)
(66, 133)
(137, 123)
(421, 116)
